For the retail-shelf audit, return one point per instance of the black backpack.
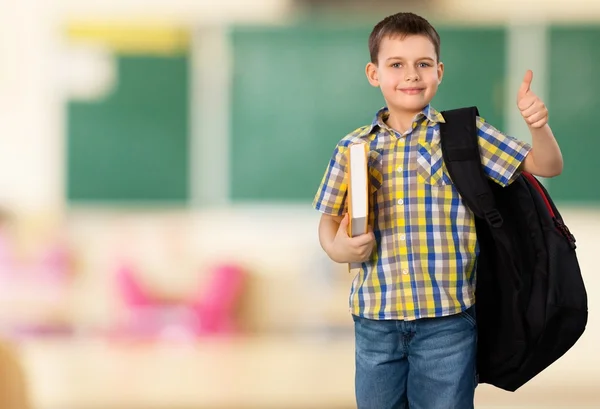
(531, 302)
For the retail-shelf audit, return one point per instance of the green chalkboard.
(474, 71)
(298, 90)
(574, 96)
(133, 144)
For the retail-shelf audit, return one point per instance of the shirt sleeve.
(501, 155)
(331, 194)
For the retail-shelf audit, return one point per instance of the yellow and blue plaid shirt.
(424, 260)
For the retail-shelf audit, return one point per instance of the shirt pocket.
(430, 165)
(375, 166)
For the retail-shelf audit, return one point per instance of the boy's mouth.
(412, 91)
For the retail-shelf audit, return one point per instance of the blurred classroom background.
(158, 249)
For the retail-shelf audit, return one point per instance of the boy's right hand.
(346, 249)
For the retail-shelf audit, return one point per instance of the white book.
(358, 186)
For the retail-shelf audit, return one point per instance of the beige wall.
(30, 111)
(522, 11)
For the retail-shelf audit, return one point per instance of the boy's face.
(407, 71)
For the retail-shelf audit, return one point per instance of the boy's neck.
(401, 120)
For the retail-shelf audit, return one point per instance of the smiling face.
(407, 72)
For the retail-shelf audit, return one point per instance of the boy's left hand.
(531, 106)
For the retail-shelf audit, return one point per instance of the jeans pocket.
(469, 316)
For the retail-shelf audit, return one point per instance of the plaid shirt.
(424, 260)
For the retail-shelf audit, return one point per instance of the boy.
(412, 298)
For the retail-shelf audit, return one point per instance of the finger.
(535, 117)
(365, 252)
(540, 123)
(359, 258)
(526, 84)
(365, 246)
(535, 108)
(527, 102)
(343, 228)
(365, 257)
(363, 240)
(344, 223)
(370, 239)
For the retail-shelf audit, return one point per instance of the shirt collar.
(430, 113)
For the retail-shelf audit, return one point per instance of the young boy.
(412, 298)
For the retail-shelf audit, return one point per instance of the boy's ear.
(372, 75)
(440, 72)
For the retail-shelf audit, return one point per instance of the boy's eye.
(420, 65)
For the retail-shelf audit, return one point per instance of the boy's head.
(405, 54)
(399, 26)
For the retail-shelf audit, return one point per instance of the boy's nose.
(412, 76)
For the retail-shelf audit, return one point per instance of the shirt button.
(404, 271)
(400, 202)
(402, 237)
(399, 169)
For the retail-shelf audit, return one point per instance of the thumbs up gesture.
(531, 106)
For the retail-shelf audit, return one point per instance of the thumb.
(526, 84)
(344, 222)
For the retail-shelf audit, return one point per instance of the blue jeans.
(428, 363)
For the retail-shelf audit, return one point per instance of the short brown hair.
(402, 25)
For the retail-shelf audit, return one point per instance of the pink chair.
(216, 303)
(211, 311)
(131, 290)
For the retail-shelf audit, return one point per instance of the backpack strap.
(460, 150)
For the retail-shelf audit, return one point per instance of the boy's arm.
(333, 226)
(545, 158)
(341, 248)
